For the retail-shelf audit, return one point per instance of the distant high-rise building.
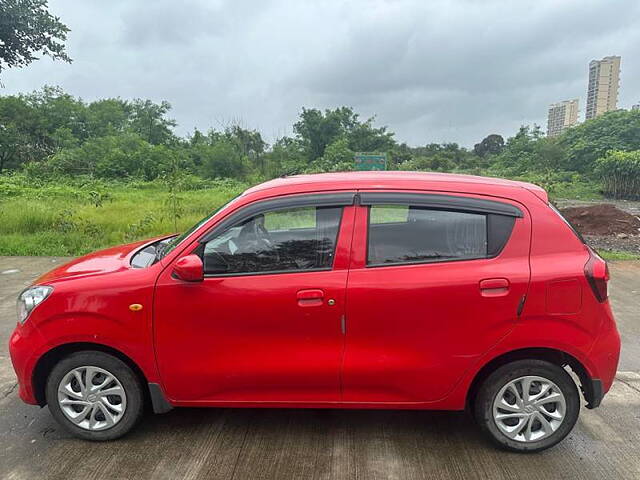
(602, 93)
(562, 116)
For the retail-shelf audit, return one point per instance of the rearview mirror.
(188, 269)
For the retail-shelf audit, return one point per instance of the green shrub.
(620, 174)
(76, 215)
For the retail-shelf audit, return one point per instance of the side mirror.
(188, 269)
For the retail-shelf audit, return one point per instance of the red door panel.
(412, 330)
(249, 339)
(254, 338)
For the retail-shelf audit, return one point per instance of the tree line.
(49, 132)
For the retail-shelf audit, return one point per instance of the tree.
(21, 137)
(221, 160)
(148, 120)
(364, 137)
(400, 154)
(317, 130)
(285, 158)
(249, 143)
(107, 117)
(27, 29)
(519, 154)
(491, 145)
(549, 155)
(435, 163)
(11, 144)
(338, 157)
(585, 143)
(56, 109)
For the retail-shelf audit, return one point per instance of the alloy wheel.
(529, 408)
(92, 398)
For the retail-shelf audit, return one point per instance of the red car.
(389, 290)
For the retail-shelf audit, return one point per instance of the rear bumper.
(604, 357)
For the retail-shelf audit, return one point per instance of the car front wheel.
(94, 395)
(527, 405)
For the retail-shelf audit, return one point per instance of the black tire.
(483, 407)
(116, 367)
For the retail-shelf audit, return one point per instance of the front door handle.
(494, 287)
(310, 298)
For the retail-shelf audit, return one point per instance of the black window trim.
(440, 202)
(334, 199)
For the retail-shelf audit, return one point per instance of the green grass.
(76, 216)
(73, 217)
(617, 255)
(575, 191)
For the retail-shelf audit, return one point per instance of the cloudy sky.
(432, 70)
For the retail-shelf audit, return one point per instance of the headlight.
(30, 299)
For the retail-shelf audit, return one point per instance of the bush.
(221, 160)
(620, 174)
(75, 215)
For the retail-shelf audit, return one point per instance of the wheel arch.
(552, 355)
(47, 361)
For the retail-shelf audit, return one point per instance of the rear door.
(435, 281)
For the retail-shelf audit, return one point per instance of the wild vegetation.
(76, 216)
(76, 175)
(620, 173)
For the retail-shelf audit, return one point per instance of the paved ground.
(301, 444)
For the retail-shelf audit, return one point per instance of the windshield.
(163, 250)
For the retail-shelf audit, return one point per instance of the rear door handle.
(494, 287)
(310, 297)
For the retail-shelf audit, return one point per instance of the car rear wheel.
(527, 405)
(94, 395)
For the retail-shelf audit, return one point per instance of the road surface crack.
(9, 390)
(628, 384)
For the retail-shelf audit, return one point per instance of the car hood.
(110, 260)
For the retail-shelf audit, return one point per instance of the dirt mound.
(603, 219)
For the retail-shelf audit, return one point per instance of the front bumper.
(24, 345)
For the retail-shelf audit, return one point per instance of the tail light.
(597, 272)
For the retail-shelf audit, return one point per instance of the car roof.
(393, 180)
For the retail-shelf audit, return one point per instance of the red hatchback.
(348, 290)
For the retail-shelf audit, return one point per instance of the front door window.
(296, 239)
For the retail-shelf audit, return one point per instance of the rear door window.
(408, 234)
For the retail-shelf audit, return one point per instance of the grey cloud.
(440, 70)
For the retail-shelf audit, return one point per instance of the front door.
(265, 324)
(436, 281)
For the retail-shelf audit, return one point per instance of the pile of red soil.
(603, 219)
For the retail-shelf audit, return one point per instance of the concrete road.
(302, 444)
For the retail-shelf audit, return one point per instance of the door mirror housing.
(188, 269)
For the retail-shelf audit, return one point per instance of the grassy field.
(76, 216)
(616, 255)
(73, 217)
